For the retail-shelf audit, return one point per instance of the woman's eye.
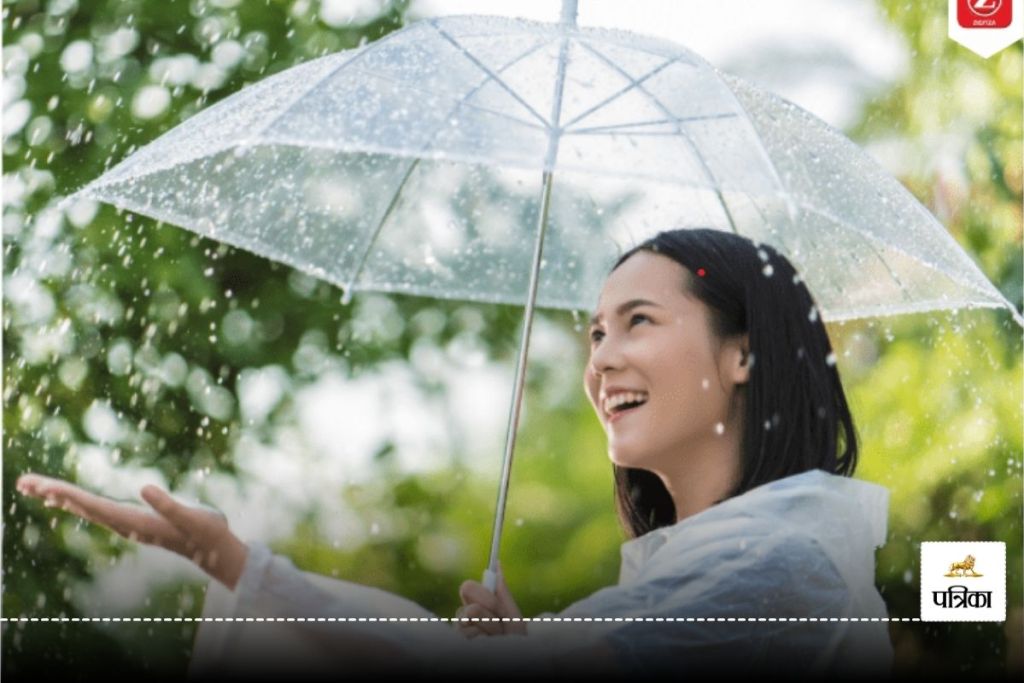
(593, 334)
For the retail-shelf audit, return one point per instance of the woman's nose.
(604, 356)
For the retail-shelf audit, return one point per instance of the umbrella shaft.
(490, 574)
(517, 397)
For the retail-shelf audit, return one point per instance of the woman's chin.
(622, 457)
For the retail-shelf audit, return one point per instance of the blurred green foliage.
(937, 401)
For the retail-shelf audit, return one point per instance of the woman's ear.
(745, 360)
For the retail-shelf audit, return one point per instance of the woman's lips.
(616, 415)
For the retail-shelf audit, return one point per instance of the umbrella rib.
(464, 101)
(483, 67)
(633, 83)
(416, 161)
(618, 127)
(681, 130)
(863, 238)
(866, 237)
(277, 117)
(636, 133)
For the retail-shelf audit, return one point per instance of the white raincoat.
(802, 546)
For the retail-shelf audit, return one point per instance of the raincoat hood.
(847, 518)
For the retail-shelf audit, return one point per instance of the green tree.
(127, 341)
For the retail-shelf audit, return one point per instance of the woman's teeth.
(613, 403)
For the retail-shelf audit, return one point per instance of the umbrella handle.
(490, 580)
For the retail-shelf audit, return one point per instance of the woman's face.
(666, 351)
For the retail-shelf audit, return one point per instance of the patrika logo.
(963, 567)
(953, 589)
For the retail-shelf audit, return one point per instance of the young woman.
(733, 450)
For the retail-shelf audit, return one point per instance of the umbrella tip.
(569, 12)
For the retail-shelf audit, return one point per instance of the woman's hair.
(794, 405)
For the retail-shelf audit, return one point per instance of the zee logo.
(984, 13)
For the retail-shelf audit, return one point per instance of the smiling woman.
(750, 546)
(724, 341)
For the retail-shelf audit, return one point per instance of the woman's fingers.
(476, 592)
(188, 518)
(74, 499)
(499, 604)
(474, 611)
(131, 522)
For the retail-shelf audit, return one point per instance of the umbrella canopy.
(511, 161)
(414, 165)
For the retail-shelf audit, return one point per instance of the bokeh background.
(364, 441)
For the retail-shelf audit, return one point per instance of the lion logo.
(961, 568)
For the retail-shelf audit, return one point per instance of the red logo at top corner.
(984, 13)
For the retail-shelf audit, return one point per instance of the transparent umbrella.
(511, 161)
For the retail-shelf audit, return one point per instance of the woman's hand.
(478, 602)
(200, 534)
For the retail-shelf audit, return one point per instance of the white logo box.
(964, 597)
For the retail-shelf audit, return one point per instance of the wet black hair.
(796, 416)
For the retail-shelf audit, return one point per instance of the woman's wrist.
(236, 552)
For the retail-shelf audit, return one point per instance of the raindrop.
(719, 428)
(519, 521)
(830, 359)
(768, 270)
(813, 315)
(374, 529)
(704, 383)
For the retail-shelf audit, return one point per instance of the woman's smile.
(615, 416)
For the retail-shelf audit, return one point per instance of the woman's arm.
(415, 642)
(251, 585)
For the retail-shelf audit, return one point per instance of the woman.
(732, 448)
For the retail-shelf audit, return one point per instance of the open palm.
(199, 533)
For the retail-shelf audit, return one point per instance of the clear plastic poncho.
(727, 590)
